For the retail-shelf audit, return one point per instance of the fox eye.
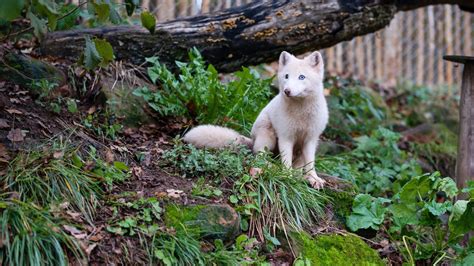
(286, 76)
(301, 77)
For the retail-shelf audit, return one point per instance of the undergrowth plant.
(423, 217)
(52, 175)
(277, 199)
(376, 165)
(30, 235)
(199, 93)
(190, 161)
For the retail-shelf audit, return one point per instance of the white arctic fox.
(294, 119)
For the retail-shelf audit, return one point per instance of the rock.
(211, 221)
(335, 249)
(121, 101)
(24, 71)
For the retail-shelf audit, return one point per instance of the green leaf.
(464, 223)
(466, 261)
(458, 210)
(11, 9)
(367, 212)
(437, 208)
(403, 214)
(91, 57)
(115, 17)
(148, 21)
(416, 189)
(233, 199)
(105, 51)
(39, 25)
(71, 105)
(120, 166)
(130, 6)
(102, 11)
(51, 6)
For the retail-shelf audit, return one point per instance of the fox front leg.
(309, 150)
(286, 151)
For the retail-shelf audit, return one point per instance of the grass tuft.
(31, 236)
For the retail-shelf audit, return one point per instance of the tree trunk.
(247, 35)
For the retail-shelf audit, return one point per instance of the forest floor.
(141, 168)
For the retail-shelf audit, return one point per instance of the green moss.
(336, 250)
(341, 203)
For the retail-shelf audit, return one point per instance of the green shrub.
(199, 93)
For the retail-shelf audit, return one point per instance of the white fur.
(293, 120)
(210, 136)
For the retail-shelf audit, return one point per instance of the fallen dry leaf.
(137, 171)
(90, 248)
(4, 157)
(174, 193)
(161, 194)
(4, 123)
(16, 135)
(15, 100)
(58, 154)
(97, 237)
(76, 216)
(75, 232)
(109, 156)
(14, 111)
(254, 171)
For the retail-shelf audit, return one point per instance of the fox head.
(299, 78)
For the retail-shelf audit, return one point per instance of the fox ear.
(315, 60)
(284, 58)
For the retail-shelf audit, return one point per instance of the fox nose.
(287, 92)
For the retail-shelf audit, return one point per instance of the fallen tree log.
(247, 35)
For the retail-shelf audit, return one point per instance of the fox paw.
(315, 181)
(254, 171)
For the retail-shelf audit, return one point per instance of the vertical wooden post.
(431, 45)
(465, 160)
(448, 18)
(379, 66)
(420, 60)
(392, 52)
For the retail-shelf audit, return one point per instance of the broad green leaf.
(115, 17)
(403, 214)
(466, 261)
(448, 185)
(50, 5)
(465, 222)
(415, 189)
(91, 57)
(148, 21)
(437, 208)
(39, 25)
(105, 51)
(458, 210)
(102, 11)
(367, 212)
(11, 9)
(130, 6)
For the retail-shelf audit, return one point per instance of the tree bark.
(247, 35)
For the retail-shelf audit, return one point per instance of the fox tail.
(209, 136)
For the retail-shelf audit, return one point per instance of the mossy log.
(247, 35)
